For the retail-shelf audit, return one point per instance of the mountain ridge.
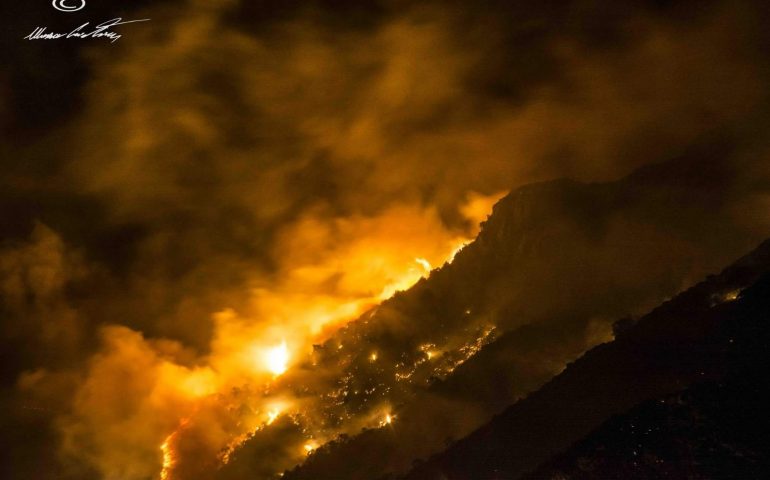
(517, 300)
(677, 344)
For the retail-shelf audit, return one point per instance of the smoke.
(281, 178)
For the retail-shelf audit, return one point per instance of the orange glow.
(272, 415)
(387, 420)
(477, 206)
(367, 261)
(277, 359)
(169, 458)
(424, 264)
(199, 383)
(458, 247)
(409, 278)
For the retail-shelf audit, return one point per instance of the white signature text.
(102, 30)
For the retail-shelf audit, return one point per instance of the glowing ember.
(373, 357)
(272, 415)
(731, 296)
(309, 447)
(277, 359)
(387, 420)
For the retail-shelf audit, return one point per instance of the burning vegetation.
(337, 387)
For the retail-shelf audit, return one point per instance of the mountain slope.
(553, 266)
(712, 430)
(692, 338)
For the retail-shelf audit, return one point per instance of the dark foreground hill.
(712, 430)
(711, 333)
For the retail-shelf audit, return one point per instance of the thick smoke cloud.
(253, 183)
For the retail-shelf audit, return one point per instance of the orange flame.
(295, 313)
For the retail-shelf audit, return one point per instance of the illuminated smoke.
(290, 181)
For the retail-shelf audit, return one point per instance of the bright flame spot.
(429, 354)
(277, 359)
(730, 296)
(424, 264)
(387, 420)
(373, 357)
(168, 458)
(309, 447)
(272, 415)
(456, 250)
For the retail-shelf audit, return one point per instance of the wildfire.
(277, 359)
(424, 264)
(459, 246)
(226, 453)
(272, 415)
(167, 450)
(168, 458)
(731, 296)
(409, 278)
(387, 420)
(298, 314)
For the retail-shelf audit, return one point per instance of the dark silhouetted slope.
(705, 334)
(712, 430)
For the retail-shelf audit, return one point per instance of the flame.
(277, 359)
(409, 278)
(310, 447)
(457, 248)
(169, 458)
(424, 264)
(387, 420)
(272, 415)
(383, 257)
